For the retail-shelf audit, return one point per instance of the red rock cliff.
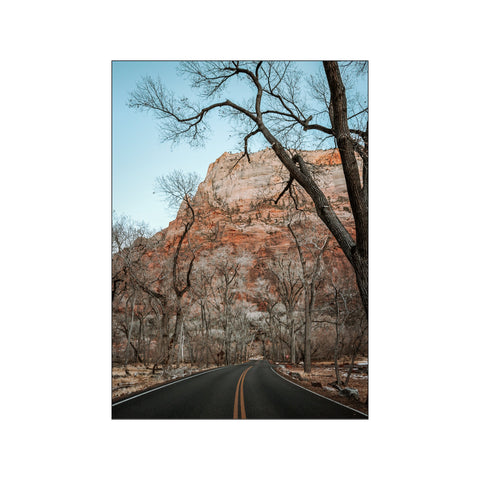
(235, 210)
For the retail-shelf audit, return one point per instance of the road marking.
(242, 401)
(167, 385)
(235, 403)
(315, 393)
(241, 380)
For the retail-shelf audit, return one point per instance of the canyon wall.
(236, 214)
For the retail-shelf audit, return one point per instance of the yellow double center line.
(242, 402)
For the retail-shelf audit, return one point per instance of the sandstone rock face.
(239, 182)
(236, 211)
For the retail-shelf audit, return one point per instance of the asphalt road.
(249, 391)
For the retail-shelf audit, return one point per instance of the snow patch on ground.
(331, 389)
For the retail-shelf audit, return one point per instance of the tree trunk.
(176, 333)
(130, 329)
(136, 353)
(336, 354)
(181, 345)
(351, 248)
(307, 364)
(360, 265)
(350, 368)
(206, 334)
(337, 340)
(356, 194)
(227, 342)
(164, 339)
(140, 342)
(355, 349)
(291, 321)
(162, 352)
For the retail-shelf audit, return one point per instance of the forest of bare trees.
(231, 306)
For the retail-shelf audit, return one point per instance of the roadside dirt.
(323, 373)
(140, 378)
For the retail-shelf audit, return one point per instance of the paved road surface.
(252, 391)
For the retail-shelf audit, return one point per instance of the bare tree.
(201, 291)
(178, 188)
(278, 112)
(339, 329)
(268, 300)
(350, 325)
(242, 332)
(133, 280)
(287, 283)
(129, 243)
(311, 271)
(128, 247)
(226, 285)
(359, 341)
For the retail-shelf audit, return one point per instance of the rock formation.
(235, 209)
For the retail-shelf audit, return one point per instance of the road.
(248, 391)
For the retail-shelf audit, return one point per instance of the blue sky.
(138, 154)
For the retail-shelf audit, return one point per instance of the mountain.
(235, 209)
